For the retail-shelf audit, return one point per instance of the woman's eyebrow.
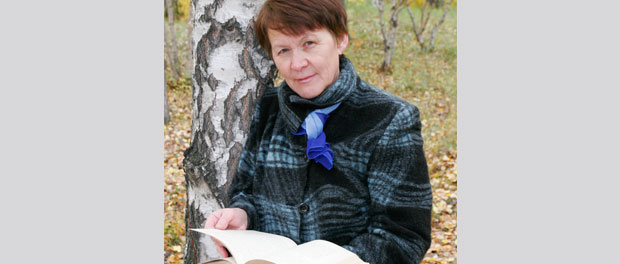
(309, 35)
(279, 44)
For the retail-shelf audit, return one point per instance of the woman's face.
(308, 62)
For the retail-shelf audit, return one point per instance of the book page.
(245, 245)
(228, 260)
(316, 251)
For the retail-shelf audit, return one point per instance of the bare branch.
(416, 30)
(401, 5)
(422, 21)
(425, 15)
(389, 33)
(443, 17)
(380, 5)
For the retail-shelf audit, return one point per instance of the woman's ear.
(342, 43)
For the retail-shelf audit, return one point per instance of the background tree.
(389, 35)
(425, 15)
(170, 39)
(170, 54)
(231, 72)
(190, 28)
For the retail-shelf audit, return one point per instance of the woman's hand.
(227, 218)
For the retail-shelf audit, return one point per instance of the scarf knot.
(317, 148)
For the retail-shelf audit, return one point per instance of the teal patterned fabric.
(376, 200)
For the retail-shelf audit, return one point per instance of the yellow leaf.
(176, 248)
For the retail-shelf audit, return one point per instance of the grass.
(426, 79)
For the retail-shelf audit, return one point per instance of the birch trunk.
(390, 44)
(389, 37)
(231, 71)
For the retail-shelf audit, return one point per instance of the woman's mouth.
(306, 79)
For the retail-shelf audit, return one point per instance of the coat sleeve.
(400, 193)
(240, 191)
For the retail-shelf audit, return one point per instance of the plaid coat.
(376, 200)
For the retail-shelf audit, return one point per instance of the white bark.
(230, 72)
(389, 35)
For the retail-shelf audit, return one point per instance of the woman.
(329, 156)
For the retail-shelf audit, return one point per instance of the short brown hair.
(294, 17)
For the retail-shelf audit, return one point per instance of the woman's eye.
(282, 51)
(308, 43)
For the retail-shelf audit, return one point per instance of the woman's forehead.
(276, 36)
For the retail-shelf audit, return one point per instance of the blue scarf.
(317, 148)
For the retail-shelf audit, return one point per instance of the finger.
(213, 219)
(224, 220)
(219, 247)
(217, 242)
(222, 251)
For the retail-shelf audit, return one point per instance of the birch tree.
(421, 25)
(389, 33)
(170, 55)
(190, 26)
(231, 71)
(171, 42)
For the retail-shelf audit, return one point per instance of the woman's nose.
(299, 61)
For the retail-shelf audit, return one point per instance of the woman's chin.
(307, 92)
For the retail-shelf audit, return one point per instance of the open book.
(253, 247)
